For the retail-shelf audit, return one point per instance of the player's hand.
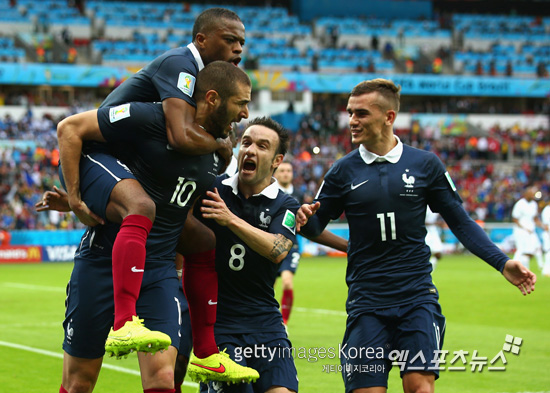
(84, 214)
(54, 200)
(520, 276)
(305, 212)
(225, 151)
(216, 208)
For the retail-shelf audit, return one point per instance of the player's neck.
(252, 189)
(382, 146)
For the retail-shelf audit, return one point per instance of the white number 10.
(391, 216)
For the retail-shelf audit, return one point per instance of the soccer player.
(433, 237)
(287, 269)
(218, 34)
(525, 216)
(254, 224)
(174, 181)
(384, 188)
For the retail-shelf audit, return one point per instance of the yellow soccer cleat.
(219, 367)
(133, 336)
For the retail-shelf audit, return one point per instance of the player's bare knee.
(79, 386)
(144, 206)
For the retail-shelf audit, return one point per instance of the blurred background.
(474, 76)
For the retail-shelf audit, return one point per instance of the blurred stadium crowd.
(490, 169)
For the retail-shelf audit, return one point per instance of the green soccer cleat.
(219, 367)
(133, 336)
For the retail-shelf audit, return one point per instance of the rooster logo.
(409, 180)
(264, 220)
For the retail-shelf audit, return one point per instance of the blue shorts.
(409, 335)
(99, 174)
(186, 340)
(89, 305)
(272, 358)
(291, 261)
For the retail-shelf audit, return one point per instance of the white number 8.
(236, 262)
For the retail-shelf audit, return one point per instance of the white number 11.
(391, 216)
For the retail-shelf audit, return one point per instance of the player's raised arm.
(272, 246)
(185, 135)
(71, 133)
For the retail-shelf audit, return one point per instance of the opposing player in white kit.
(525, 216)
(433, 236)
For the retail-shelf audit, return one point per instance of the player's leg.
(200, 282)
(419, 382)
(522, 240)
(362, 373)
(287, 283)
(130, 205)
(79, 374)
(88, 317)
(111, 191)
(186, 343)
(278, 372)
(287, 270)
(160, 305)
(420, 331)
(157, 371)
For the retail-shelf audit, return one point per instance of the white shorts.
(526, 242)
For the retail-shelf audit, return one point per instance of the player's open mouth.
(249, 166)
(236, 61)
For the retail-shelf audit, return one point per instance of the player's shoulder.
(341, 165)
(181, 57)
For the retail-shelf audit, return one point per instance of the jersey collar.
(270, 191)
(196, 55)
(393, 155)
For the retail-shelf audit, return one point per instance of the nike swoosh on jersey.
(136, 270)
(220, 369)
(211, 303)
(354, 186)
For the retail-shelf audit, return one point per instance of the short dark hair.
(222, 77)
(385, 87)
(208, 20)
(275, 126)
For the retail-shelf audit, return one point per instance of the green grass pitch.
(480, 306)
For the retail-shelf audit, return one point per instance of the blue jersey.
(171, 75)
(172, 179)
(385, 205)
(246, 302)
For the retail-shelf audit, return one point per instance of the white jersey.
(525, 212)
(527, 240)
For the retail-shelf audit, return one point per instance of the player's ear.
(200, 39)
(212, 98)
(390, 116)
(277, 161)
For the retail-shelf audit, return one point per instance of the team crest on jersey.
(289, 221)
(186, 83)
(409, 180)
(265, 220)
(119, 112)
